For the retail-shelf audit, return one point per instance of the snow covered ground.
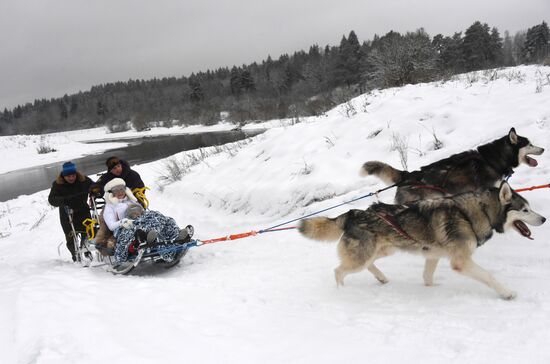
(272, 298)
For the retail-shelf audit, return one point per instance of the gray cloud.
(53, 47)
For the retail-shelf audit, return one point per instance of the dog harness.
(390, 220)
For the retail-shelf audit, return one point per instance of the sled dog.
(468, 171)
(450, 227)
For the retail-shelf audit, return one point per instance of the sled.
(142, 250)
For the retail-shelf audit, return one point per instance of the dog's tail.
(385, 172)
(323, 228)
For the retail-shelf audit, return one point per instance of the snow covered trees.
(537, 44)
(396, 60)
(302, 83)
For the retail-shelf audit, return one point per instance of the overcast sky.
(52, 47)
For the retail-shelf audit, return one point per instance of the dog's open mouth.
(522, 229)
(531, 162)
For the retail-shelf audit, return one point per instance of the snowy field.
(272, 298)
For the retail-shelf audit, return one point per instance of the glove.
(127, 223)
(95, 191)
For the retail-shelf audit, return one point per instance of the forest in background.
(304, 83)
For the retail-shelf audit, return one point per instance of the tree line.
(304, 83)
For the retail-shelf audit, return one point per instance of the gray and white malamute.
(468, 171)
(451, 227)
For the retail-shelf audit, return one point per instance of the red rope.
(229, 237)
(532, 188)
(241, 235)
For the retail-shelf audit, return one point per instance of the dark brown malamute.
(468, 171)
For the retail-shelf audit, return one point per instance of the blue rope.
(328, 208)
(175, 248)
(194, 243)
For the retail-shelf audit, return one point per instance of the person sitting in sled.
(124, 216)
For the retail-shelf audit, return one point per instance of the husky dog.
(451, 227)
(463, 172)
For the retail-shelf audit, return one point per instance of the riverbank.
(140, 150)
(22, 151)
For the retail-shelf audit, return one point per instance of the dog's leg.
(429, 269)
(354, 256)
(377, 273)
(469, 268)
(344, 269)
(381, 253)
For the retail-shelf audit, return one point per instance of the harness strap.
(390, 220)
(431, 187)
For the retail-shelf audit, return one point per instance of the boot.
(184, 235)
(151, 236)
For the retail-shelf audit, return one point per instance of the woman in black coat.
(70, 189)
(118, 168)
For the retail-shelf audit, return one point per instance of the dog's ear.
(513, 136)
(505, 193)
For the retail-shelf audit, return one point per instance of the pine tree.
(339, 70)
(63, 112)
(518, 42)
(495, 48)
(352, 52)
(507, 50)
(74, 105)
(476, 47)
(101, 109)
(537, 43)
(247, 83)
(450, 56)
(196, 95)
(348, 66)
(235, 81)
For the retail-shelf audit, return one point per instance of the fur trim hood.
(110, 197)
(61, 181)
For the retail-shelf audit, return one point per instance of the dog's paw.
(429, 281)
(508, 295)
(339, 277)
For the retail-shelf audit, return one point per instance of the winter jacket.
(72, 195)
(131, 177)
(114, 212)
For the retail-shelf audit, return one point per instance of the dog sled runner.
(82, 250)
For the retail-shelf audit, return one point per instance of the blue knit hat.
(68, 168)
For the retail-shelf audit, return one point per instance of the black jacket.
(131, 177)
(74, 196)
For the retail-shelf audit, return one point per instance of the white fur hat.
(110, 197)
(113, 183)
